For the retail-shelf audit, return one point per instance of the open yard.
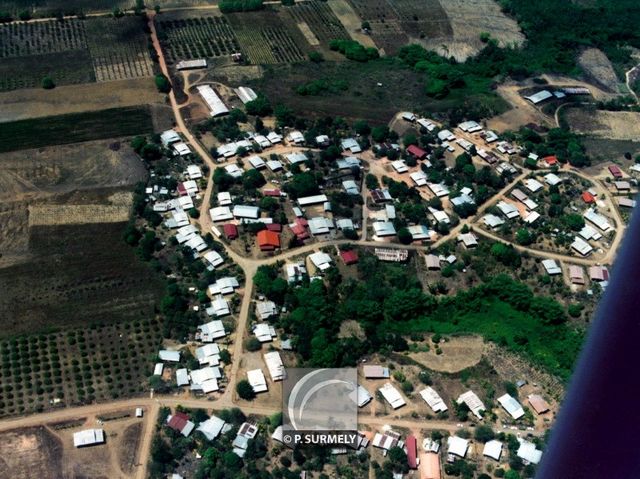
(30, 452)
(75, 127)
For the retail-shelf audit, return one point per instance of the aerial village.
(302, 205)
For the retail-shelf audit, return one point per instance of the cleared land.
(458, 353)
(33, 103)
(613, 125)
(74, 128)
(599, 69)
(30, 452)
(468, 19)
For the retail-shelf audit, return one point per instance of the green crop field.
(74, 128)
(190, 38)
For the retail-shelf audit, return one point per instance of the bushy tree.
(245, 390)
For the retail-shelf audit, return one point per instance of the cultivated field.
(34, 103)
(48, 8)
(118, 48)
(613, 125)
(190, 38)
(74, 128)
(73, 52)
(269, 37)
(319, 18)
(94, 363)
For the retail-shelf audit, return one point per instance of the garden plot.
(320, 19)
(191, 38)
(266, 38)
(118, 48)
(79, 366)
(422, 18)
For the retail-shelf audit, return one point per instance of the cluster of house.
(543, 95)
(213, 427)
(214, 102)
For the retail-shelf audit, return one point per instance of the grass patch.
(74, 128)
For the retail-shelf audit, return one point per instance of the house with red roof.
(272, 192)
(275, 227)
(180, 422)
(268, 240)
(412, 452)
(300, 231)
(588, 198)
(416, 151)
(550, 160)
(230, 231)
(349, 257)
(615, 171)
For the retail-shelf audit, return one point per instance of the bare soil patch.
(458, 353)
(599, 69)
(613, 125)
(30, 452)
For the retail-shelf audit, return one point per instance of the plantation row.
(33, 78)
(20, 39)
(321, 19)
(96, 363)
(122, 65)
(198, 38)
(282, 44)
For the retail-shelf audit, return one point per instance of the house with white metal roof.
(383, 228)
(320, 260)
(528, 452)
(351, 187)
(219, 307)
(446, 135)
(539, 97)
(274, 165)
(312, 200)
(468, 240)
(439, 216)
(211, 331)
(533, 185)
(552, 179)
(245, 94)
(360, 396)
(266, 309)
(473, 402)
(419, 232)
(194, 172)
(274, 365)
(264, 332)
(320, 225)
(208, 354)
(351, 145)
(433, 399)
(297, 157)
(245, 211)
(256, 162)
(182, 377)
(508, 210)
(220, 213)
(438, 189)
(400, 166)
(581, 247)
(457, 446)
(170, 356)
(512, 406)
(392, 396)
(213, 258)
(493, 449)
(597, 219)
(88, 437)
(492, 221)
(224, 285)
(211, 428)
(169, 137)
(257, 380)
(274, 138)
(551, 267)
(213, 101)
(419, 178)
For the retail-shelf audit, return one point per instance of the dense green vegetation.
(74, 128)
(230, 6)
(354, 50)
(388, 302)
